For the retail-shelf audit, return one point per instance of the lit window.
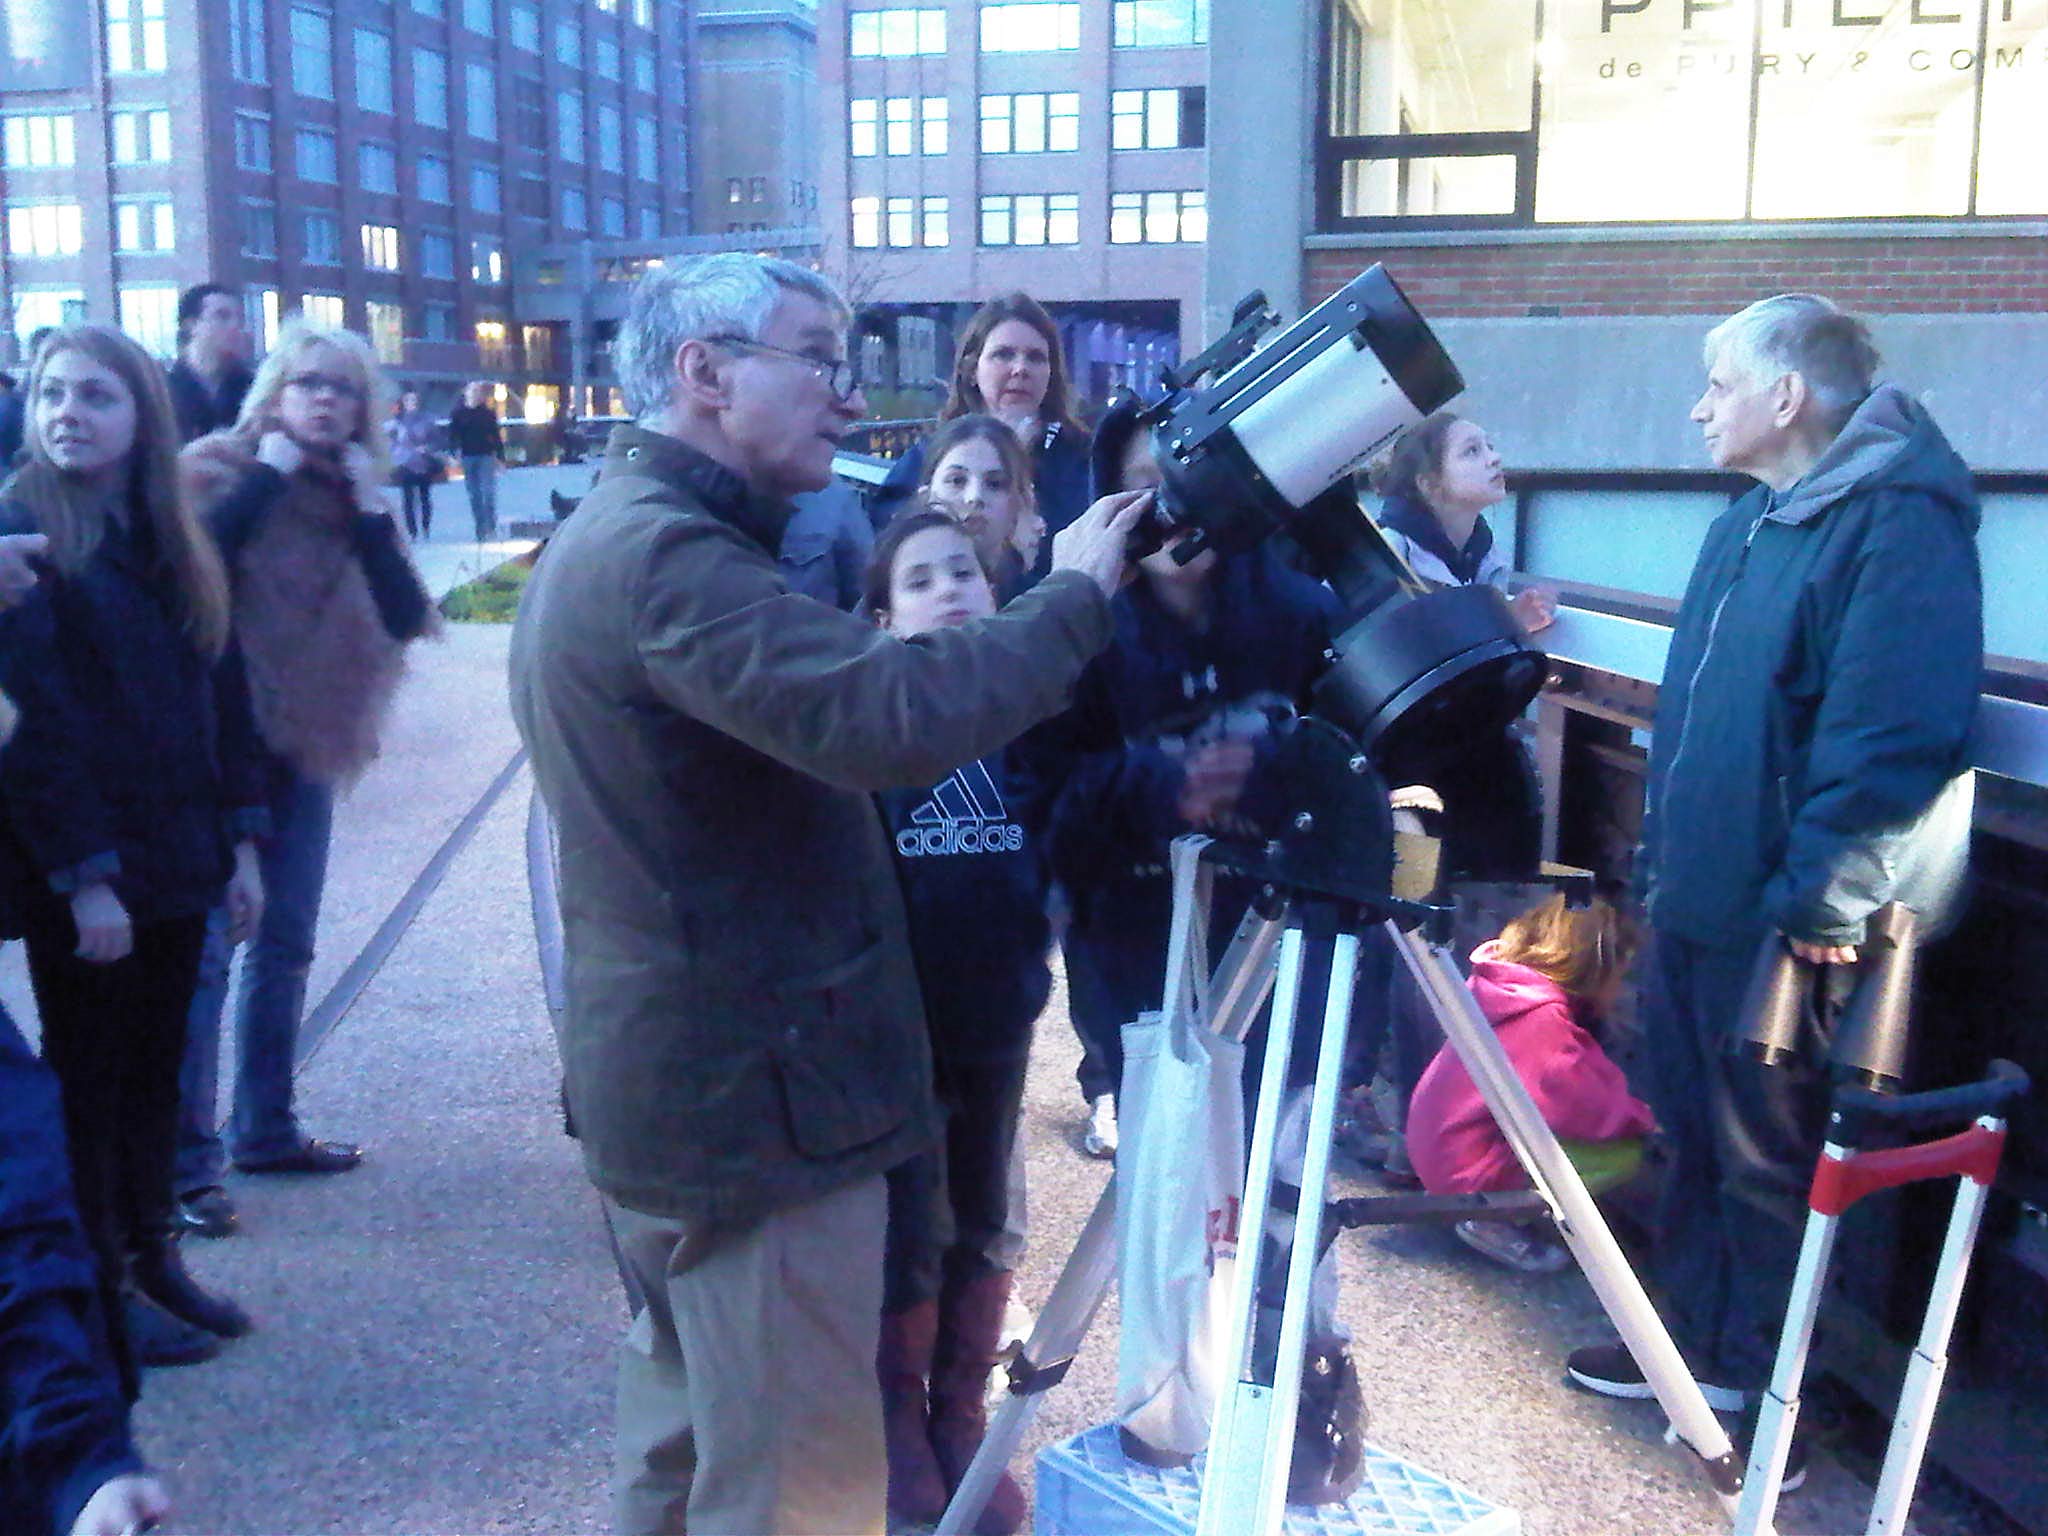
(1159, 23)
(387, 331)
(861, 140)
(934, 125)
(48, 141)
(380, 247)
(261, 308)
(867, 222)
(936, 224)
(486, 262)
(324, 309)
(896, 33)
(490, 343)
(137, 43)
(44, 229)
(1033, 28)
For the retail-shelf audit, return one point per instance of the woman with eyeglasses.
(129, 803)
(324, 602)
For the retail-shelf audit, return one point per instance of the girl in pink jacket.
(1543, 985)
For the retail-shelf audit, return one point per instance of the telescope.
(1259, 436)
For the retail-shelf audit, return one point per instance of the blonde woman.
(129, 801)
(324, 601)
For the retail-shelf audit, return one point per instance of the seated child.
(1543, 985)
(981, 475)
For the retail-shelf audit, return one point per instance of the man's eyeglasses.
(332, 383)
(837, 372)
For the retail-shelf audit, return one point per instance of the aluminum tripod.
(1252, 1438)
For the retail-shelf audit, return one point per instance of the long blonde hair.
(187, 563)
(300, 336)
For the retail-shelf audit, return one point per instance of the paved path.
(434, 1331)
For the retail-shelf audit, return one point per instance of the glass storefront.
(1619, 111)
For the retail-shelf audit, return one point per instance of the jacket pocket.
(851, 1058)
(806, 547)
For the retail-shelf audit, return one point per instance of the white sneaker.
(1100, 1138)
(1532, 1250)
(1017, 1323)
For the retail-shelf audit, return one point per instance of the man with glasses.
(743, 1046)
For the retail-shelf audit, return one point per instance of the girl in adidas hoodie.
(1543, 985)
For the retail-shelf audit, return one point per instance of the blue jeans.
(480, 479)
(272, 1001)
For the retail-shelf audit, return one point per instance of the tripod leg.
(1579, 1220)
(1771, 1446)
(1238, 990)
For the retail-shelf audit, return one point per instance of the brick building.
(970, 149)
(376, 162)
(1573, 192)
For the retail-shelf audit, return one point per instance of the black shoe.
(207, 1212)
(156, 1338)
(1329, 1431)
(159, 1274)
(309, 1156)
(1611, 1370)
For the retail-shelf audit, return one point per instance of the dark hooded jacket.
(1809, 763)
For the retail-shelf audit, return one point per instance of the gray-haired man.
(743, 1044)
(1809, 765)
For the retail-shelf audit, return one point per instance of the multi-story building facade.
(1055, 147)
(373, 162)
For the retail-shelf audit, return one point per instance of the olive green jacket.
(743, 1031)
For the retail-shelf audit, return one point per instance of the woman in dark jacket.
(324, 600)
(129, 801)
(1010, 365)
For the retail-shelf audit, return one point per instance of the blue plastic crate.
(1087, 1487)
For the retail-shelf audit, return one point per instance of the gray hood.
(1888, 439)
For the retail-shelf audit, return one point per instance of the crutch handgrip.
(1839, 1182)
(1858, 1112)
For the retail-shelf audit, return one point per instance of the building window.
(611, 139)
(937, 231)
(430, 179)
(32, 142)
(490, 343)
(145, 224)
(259, 229)
(1160, 23)
(861, 138)
(149, 314)
(437, 322)
(430, 87)
(380, 247)
(44, 229)
(530, 198)
(137, 41)
(1034, 28)
(252, 141)
(435, 8)
(569, 43)
(529, 112)
(1172, 119)
(35, 308)
(646, 148)
(1158, 218)
(933, 119)
(608, 58)
(643, 71)
(1031, 218)
(312, 53)
(377, 167)
(373, 70)
(480, 17)
(317, 159)
(867, 222)
(525, 26)
(569, 126)
(322, 233)
(436, 251)
(897, 124)
(480, 100)
(575, 209)
(902, 224)
(249, 40)
(611, 218)
(324, 309)
(650, 223)
(387, 331)
(484, 189)
(896, 33)
(261, 310)
(486, 262)
(735, 190)
(1031, 123)
(140, 138)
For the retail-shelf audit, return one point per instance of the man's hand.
(1822, 954)
(129, 1503)
(244, 896)
(281, 451)
(104, 932)
(1214, 776)
(1535, 608)
(16, 579)
(1097, 543)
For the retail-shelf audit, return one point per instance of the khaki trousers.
(747, 1400)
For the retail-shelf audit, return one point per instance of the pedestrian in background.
(131, 797)
(211, 375)
(480, 446)
(415, 464)
(324, 602)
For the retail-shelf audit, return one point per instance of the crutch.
(1844, 1175)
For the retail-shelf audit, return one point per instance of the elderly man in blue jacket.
(1809, 765)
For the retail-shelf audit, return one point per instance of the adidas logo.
(965, 814)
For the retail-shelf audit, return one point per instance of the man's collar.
(633, 449)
